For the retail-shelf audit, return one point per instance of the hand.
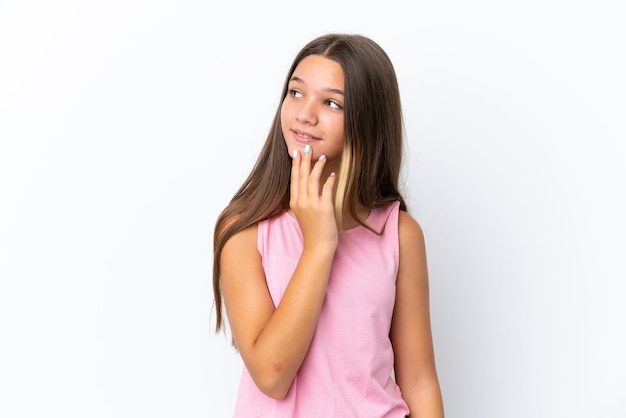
(313, 209)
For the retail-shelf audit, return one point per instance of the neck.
(349, 221)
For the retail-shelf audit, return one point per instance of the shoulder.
(229, 221)
(239, 243)
(240, 256)
(412, 270)
(245, 238)
(410, 232)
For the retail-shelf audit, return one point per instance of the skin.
(312, 112)
(410, 334)
(273, 341)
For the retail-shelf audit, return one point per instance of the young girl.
(321, 270)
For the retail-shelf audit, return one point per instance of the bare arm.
(273, 341)
(410, 331)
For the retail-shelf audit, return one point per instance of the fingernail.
(295, 153)
(322, 157)
(307, 148)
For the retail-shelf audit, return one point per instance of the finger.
(295, 175)
(328, 189)
(305, 171)
(314, 178)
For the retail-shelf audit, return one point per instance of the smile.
(303, 137)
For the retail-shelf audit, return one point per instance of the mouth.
(303, 137)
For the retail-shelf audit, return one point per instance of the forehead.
(319, 71)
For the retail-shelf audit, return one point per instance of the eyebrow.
(329, 89)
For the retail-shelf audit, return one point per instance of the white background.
(126, 126)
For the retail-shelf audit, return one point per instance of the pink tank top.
(347, 370)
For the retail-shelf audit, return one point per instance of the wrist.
(320, 249)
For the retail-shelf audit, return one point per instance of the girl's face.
(312, 111)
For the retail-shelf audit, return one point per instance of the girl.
(321, 270)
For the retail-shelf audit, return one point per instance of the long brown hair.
(372, 151)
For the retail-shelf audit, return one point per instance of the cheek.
(285, 115)
(339, 133)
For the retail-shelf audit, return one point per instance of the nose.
(307, 113)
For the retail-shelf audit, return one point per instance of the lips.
(303, 137)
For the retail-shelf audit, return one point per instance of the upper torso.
(347, 369)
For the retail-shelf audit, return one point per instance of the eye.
(294, 93)
(333, 104)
